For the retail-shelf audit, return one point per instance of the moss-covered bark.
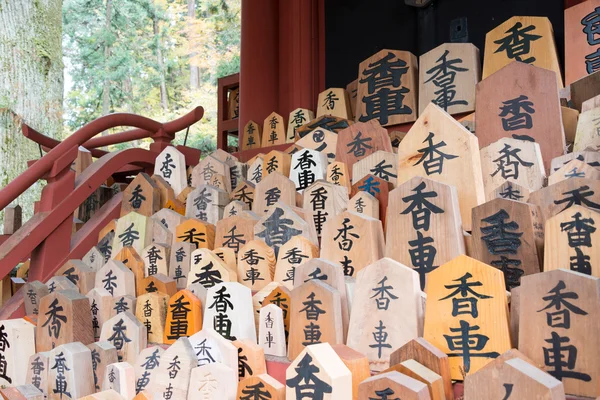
(31, 84)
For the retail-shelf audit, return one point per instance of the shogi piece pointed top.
(521, 101)
(200, 234)
(565, 194)
(127, 334)
(387, 88)
(321, 140)
(223, 156)
(273, 130)
(208, 270)
(17, 337)
(206, 203)
(328, 122)
(586, 136)
(170, 164)
(440, 148)
(120, 377)
(364, 203)
(116, 278)
(320, 368)
(307, 166)
(262, 386)
(243, 192)
(71, 371)
(172, 377)
(276, 161)
(229, 311)
(484, 320)
(298, 117)
(558, 318)
(234, 232)
(211, 348)
(510, 191)
(207, 169)
(256, 265)
(157, 283)
(528, 40)
(79, 273)
(255, 170)
(361, 140)
(337, 173)
(447, 77)
(335, 102)
(141, 196)
(581, 40)
(34, 291)
(184, 316)
(381, 164)
(574, 169)
(133, 230)
(295, 252)
(271, 330)
(252, 136)
(146, 365)
(392, 384)
(214, 381)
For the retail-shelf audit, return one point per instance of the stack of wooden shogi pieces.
(358, 264)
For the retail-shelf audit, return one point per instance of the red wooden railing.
(47, 236)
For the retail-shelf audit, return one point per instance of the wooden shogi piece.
(281, 297)
(293, 254)
(199, 291)
(331, 274)
(569, 119)
(200, 234)
(273, 132)
(590, 104)
(229, 311)
(141, 195)
(157, 283)
(574, 169)
(93, 258)
(590, 157)
(436, 137)
(64, 317)
(105, 244)
(54, 284)
(18, 344)
(127, 334)
(120, 377)
(234, 208)
(204, 172)
(449, 317)
(571, 242)
(396, 137)
(146, 366)
(251, 138)
(325, 200)
(337, 173)
(360, 140)
(243, 192)
(559, 315)
(220, 181)
(352, 91)
(133, 230)
(132, 260)
(214, 381)
(261, 386)
(529, 40)
(352, 240)
(23, 268)
(172, 377)
(375, 97)
(517, 160)
(169, 219)
(179, 263)
(513, 377)
(22, 392)
(255, 171)
(276, 161)
(251, 358)
(206, 203)
(108, 395)
(415, 370)
(562, 195)
(318, 366)
(32, 295)
(377, 187)
(223, 156)
(429, 356)
(271, 330)
(235, 232)
(508, 235)
(256, 265)
(170, 165)
(237, 171)
(184, 316)
(521, 101)
(167, 194)
(334, 102)
(381, 164)
(228, 256)
(329, 122)
(182, 197)
(391, 311)
(588, 127)
(510, 191)
(71, 373)
(151, 311)
(116, 278)
(233, 106)
(259, 297)
(316, 317)
(280, 224)
(321, 140)
(208, 270)
(307, 167)
(160, 233)
(111, 226)
(364, 203)
(100, 306)
(156, 259)
(356, 362)
(447, 77)
(211, 348)
(581, 40)
(393, 383)
(37, 371)
(121, 304)
(297, 118)
(102, 354)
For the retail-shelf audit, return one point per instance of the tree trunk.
(194, 70)
(164, 101)
(31, 85)
(106, 87)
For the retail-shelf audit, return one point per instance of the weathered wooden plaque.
(528, 40)
(229, 311)
(521, 101)
(589, 157)
(199, 234)
(141, 196)
(172, 377)
(206, 203)
(387, 88)
(33, 293)
(208, 270)
(574, 169)
(439, 148)
(116, 279)
(255, 170)
(276, 161)
(71, 372)
(334, 102)
(447, 77)
(466, 315)
(565, 194)
(120, 377)
(297, 118)
(100, 306)
(156, 259)
(209, 168)
(251, 138)
(243, 192)
(212, 348)
(213, 382)
(581, 40)
(102, 354)
(37, 371)
(325, 200)
(157, 283)
(256, 265)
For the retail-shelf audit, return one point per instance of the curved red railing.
(47, 235)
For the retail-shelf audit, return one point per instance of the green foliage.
(124, 54)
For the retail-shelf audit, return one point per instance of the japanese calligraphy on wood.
(103, 354)
(127, 334)
(325, 200)
(17, 345)
(170, 164)
(151, 310)
(184, 316)
(334, 102)
(307, 167)
(198, 233)
(172, 377)
(206, 203)
(141, 196)
(588, 127)
(581, 40)
(273, 130)
(256, 265)
(234, 232)
(214, 381)
(133, 230)
(70, 371)
(229, 311)
(565, 194)
(271, 330)
(321, 140)
(337, 173)
(207, 169)
(298, 117)
(252, 136)
(361, 140)
(255, 170)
